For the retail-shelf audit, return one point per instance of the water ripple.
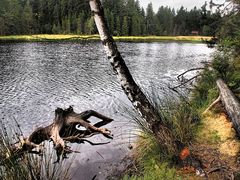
(35, 78)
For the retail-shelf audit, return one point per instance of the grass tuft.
(153, 159)
(28, 166)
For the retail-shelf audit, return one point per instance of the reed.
(28, 166)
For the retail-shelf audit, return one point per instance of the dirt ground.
(217, 147)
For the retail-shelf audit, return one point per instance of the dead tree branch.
(183, 81)
(213, 104)
(62, 130)
(186, 81)
(180, 76)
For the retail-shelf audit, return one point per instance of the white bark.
(230, 103)
(129, 86)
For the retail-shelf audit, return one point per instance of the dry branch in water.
(183, 81)
(62, 130)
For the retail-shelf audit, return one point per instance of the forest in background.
(125, 18)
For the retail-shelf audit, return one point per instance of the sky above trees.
(189, 4)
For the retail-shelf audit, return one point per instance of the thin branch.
(189, 70)
(213, 104)
(183, 83)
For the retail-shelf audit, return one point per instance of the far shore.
(72, 37)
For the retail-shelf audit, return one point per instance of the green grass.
(149, 167)
(72, 37)
(161, 38)
(153, 159)
(47, 37)
(28, 166)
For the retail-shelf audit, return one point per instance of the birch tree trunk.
(139, 100)
(129, 86)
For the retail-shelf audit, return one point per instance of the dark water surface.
(35, 78)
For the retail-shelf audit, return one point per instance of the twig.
(213, 104)
(185, 82)
(216, 169)
(189, 70)
(99, 154)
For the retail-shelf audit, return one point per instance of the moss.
(151, 162)
(217, 130)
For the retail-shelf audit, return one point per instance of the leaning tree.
(134, 93)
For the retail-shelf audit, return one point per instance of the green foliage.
(156, 171)
(153, 158)
(125, 17)
(150, 167)
(205, 91)
(221, 64)
(214, 137)
(179, 115)
(227, 67)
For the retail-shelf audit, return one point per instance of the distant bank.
(61, 37)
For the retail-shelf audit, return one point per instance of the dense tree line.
(125, 17)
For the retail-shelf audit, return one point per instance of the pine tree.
(125, 26)
(150, 20)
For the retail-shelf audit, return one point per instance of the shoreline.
(72, 38)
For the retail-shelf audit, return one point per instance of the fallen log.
(231, 104)
(62, 130)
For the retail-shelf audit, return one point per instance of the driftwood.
(61, 130)
(230, 103)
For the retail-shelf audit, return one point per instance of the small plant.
(147, 155)
(205, 91)
(214, 137)
(221, 65)
(179, 115)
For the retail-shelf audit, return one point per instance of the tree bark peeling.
(230, 103)
(129, 86)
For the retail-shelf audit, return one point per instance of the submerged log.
(230, 103)
(61, 130)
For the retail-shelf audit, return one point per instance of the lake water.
(35, 78)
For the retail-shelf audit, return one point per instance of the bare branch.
(61, 130)
(184, 82)
(189, 70)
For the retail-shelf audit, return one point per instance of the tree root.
(62, 130)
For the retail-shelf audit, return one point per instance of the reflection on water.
(35, 78)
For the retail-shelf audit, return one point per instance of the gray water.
(35, 78)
